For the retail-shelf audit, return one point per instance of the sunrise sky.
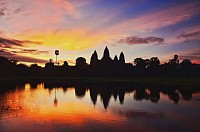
(31, 30)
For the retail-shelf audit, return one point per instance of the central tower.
(106, 54)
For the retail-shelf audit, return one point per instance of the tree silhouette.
(154, 62)
(174, 61)
(65, 64)
(153, 66)
(139, 62)
(140, 65)
(186, 67)
(80, 61)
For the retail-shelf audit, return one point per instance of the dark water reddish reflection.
(98, 107)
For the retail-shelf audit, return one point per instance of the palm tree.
(56, 53)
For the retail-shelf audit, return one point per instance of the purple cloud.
(2, 13)
(186, 35)
(132, 40)
(12, 56)
(31, 51)
(191, 56)
(190, 36)
(8, 43)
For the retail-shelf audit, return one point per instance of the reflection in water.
(55, 100)
(88, 107)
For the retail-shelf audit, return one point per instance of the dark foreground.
(175, 81)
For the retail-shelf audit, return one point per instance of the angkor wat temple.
(106, 59)
(104, 67)
(108, 66)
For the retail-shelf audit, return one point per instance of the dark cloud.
(186, 35)
(191, 56)
(12, 56)
(8, 43)
(4, 53)
(5, 41)
(190, 36)
(31, 51)
(18, 47)
(138, 40)
(2, 7)
(2, 12)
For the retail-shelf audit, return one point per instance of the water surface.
(97, 107)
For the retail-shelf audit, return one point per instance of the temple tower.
(94, 58)
(106, 54)
(122, 58)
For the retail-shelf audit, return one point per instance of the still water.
(98, 107)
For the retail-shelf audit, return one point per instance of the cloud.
(2, 9)
(8, 43)
(20, 58)
(191, 56)
(186, 35)
(66, 19)
(67, 7)
(59, 23)
(31, 51)
(8, 9)
(191, 34)
(15, 49)
(34, 51)
(161, 18)
(4, 53)
(132, 40)
(2, 13)
(41, 11)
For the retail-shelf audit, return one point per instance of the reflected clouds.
(81, 106)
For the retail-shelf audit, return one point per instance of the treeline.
(140, 67)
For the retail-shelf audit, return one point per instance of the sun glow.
(76, 39)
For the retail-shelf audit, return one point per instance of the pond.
(98, 107)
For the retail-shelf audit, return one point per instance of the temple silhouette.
(104, 67)
(106, 60)
(118, 91)
(108, 66)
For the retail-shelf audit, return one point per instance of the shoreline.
(178, 81)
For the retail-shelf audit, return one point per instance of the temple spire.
(122, 58)
(94, 58)
(115, 58)
(106, 54)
